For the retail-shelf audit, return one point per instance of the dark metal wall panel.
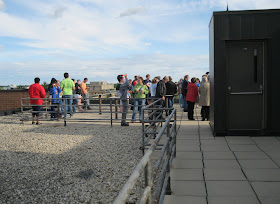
(245, 25)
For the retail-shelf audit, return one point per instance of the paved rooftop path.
(223, 170)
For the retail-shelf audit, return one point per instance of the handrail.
(145, 163)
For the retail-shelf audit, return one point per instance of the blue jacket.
(55, 94)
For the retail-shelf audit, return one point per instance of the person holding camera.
(123, 88)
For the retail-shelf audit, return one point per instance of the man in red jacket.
(192, 93)
(36, 92)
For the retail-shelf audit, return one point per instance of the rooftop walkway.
(223, 170)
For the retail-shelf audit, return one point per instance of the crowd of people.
(190, 93)
(70, 93)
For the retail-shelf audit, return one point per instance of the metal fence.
(157, 180)
(107, 107)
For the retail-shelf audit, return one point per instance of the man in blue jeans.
(184, 92)
(67, 86)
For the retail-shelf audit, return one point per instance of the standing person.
(60, 100)
(171, 89)
(197, 82)
(85, 93)
(36, 92)
(54, 91)
(135, 81)
(67, 86)
(148, 82)
(181, 102)
(123, 90)
(153, 88)
(161, 89)
(184, 91)
(192, 93)
(140, 91)
(78, 93)
(75, 97)
(204, 101)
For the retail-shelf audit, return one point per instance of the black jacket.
(171, 88)
(184, 87)
(161, 89)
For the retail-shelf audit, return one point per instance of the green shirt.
(67, 86)
(139, 94)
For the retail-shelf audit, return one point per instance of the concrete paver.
(221, 164)
(218, 155)
(262, 174)
(186, 174)
(224, 175)
(258, 164)
(189, 155)
(229, 188)
(188, 188)
(251, 155)
(233, 200)
(187, 147)
(170, 199)
(266, 189)
(187, 164)
(244, 148)
(215, 148)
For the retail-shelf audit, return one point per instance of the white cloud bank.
(2, 5)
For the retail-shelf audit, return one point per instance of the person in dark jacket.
(192, 93)
(184, 91)
(171, 89)
(161, 92)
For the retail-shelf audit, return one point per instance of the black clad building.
(245, 72)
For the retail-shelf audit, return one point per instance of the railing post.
(116, 109)
(168, 155)
(65, 111)
(175, 135)
(143, 132)
(111, 110)
(166, 106)
(100, 105)
(154, 120)
(21, 109)
(148, 178)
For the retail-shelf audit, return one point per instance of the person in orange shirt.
(85, 93)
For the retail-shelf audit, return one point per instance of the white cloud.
(56, 13)
(133, 11)
(2, 5)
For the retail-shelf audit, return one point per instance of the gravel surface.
(80, 163)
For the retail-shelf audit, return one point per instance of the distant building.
(100, 87)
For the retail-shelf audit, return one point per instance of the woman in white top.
(153, 87)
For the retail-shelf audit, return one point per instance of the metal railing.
(154, 193)
(103, 106)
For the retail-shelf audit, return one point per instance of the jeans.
(68, 104)
(181, 102)
(170, 103)
(86, 100)
(75, 102)
(124, 112)
(138, 102)
(53, 109)
(185, 104)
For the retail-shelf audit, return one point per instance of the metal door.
(245, 68)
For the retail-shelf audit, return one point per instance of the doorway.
(245, 68)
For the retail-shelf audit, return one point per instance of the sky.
(100, 39)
